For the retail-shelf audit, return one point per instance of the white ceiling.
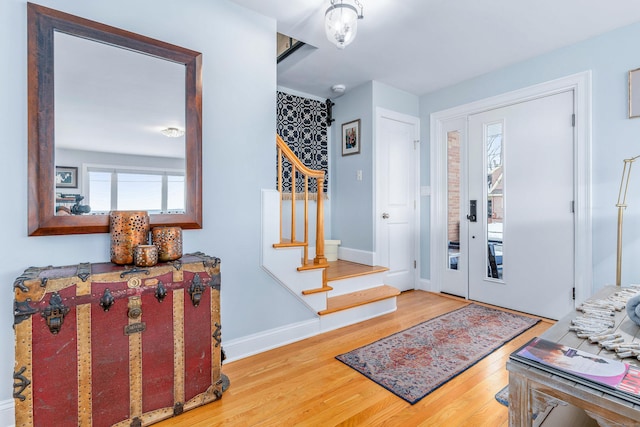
(116, 110)
(423, 45)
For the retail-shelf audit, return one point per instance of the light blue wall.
(352, 202)
(353, 205)
(614, 137)
(390, 98)
(79, 157)
(239, 86)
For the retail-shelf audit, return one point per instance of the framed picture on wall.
(351, 138)
(66, 177)
(634, 93)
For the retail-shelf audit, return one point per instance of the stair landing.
(340, 269)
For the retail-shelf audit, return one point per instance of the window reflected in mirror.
(155, 192)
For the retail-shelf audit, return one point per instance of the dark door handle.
(472, 211)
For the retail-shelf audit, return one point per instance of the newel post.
(320, 258)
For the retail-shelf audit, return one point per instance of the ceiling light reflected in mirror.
(172, 132)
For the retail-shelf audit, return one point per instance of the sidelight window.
(494, 148)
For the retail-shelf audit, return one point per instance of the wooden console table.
(530, 389)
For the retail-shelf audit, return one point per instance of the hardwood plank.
(302, 384)
(345, 269)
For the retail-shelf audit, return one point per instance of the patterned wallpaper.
(302, 124)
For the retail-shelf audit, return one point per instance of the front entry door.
(521, 181)
(397, 155)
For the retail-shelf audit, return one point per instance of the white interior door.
(521, 177)
(397, 155)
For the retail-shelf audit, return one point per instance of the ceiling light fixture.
(172, 132)
(341, 22)
(338, 89)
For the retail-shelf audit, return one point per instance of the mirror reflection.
(97, 147)
(112, 105)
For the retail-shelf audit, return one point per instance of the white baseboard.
(7, 413)
(355, 255)
(268, 340)
(425, 285)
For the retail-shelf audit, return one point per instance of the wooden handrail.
(297, 167)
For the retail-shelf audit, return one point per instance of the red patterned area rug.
(414, 362)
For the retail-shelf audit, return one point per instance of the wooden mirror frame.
(42, 22)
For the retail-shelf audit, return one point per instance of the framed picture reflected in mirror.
(66, 177)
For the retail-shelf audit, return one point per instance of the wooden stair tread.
(358, 298)
(287, 243)
(317, 290)
(311, 265)
(345, 269)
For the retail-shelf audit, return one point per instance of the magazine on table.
(607, 375)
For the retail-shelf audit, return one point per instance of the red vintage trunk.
(103, 345)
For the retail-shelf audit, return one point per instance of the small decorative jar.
(145, 255)
(168, 241)
(128, 229)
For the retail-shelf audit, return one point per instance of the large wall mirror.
(115, 122)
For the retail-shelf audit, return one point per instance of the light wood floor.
(302, 384)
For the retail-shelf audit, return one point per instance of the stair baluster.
(298, 168)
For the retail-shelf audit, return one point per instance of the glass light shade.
(341, 24)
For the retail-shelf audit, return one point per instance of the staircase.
(340, 293)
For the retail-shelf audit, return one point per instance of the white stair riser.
(353, 284)
(357, 314)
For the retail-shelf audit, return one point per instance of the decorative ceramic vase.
(128, 230)
(169, 242)
(145, 255)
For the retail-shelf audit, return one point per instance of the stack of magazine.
(610, 376)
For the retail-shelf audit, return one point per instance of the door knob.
(385, 215)
(472, 211)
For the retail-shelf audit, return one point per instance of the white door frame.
(580, 83)
(377, 211)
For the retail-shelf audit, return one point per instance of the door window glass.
(494, 148)
(453, 199)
